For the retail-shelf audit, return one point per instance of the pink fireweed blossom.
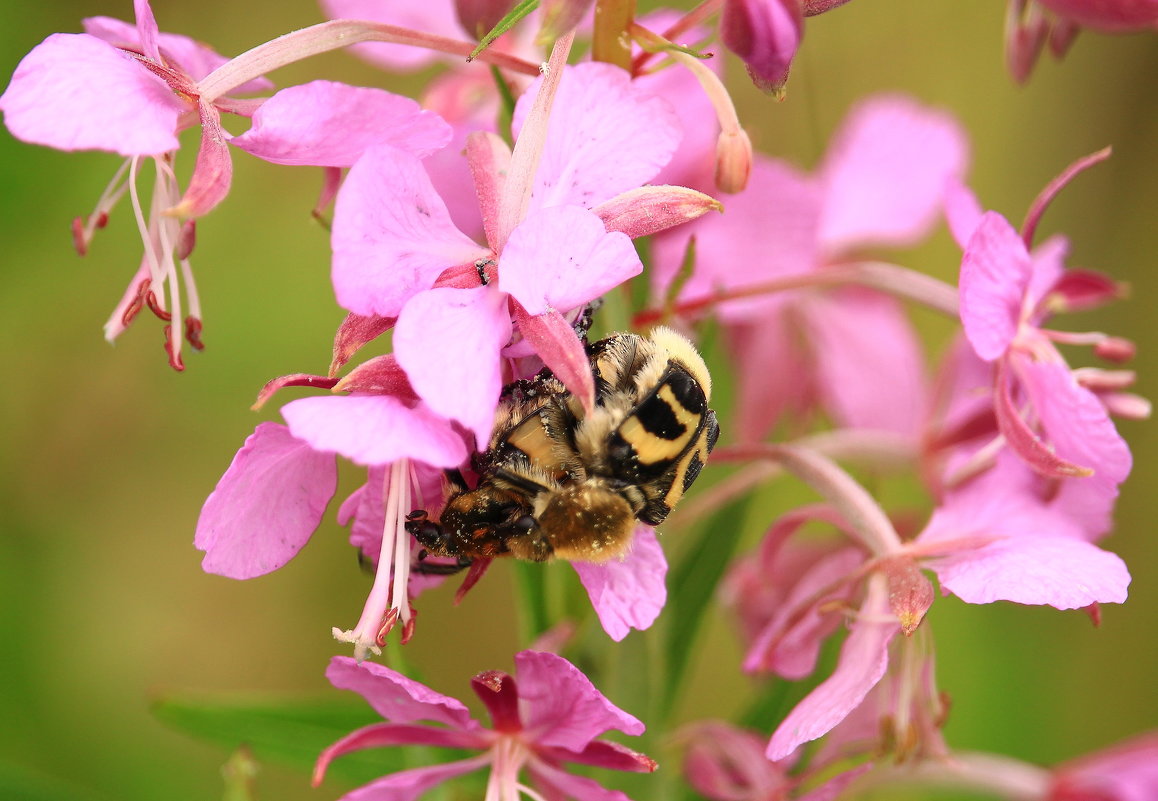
(274, 494)
(1001, 536)
(1061, 428)
(151, 89)
(882, 183)
(545, 715)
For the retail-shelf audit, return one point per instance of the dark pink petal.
(330, 124)
(409, 785)
(789, 644)
(51, 100)
(554, 340)
(213, 172)
(1075, 421)
(499, 693)
(381, 375)
(354, 332)
(609, 755)
(886, 173)
(1127, 771)
(448, 341)
(395, 697)
(1108, 15)
(863, 660)
(375, 429)
(392, 234)
(489, 158)
(765, 34)
(436, 17)
(651, 209)
(605, 136)
(1061, 572)
(628, 594)
(561, 707)
(561, 258)
(995, 274)
(1024, 440)
(266, 506)
(1078, 290)
(559, 784)
(147, 29)
(869, 365)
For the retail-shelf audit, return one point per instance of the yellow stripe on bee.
(651, 449)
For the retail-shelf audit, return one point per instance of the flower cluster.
(477, 230)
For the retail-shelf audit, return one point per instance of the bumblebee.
(557, 483)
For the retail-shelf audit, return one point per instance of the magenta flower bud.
(733, 161)
(765, 33)
(1107, 15)
(477, 17)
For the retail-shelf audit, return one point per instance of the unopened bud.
(910, 593)
(560, 16)
(477, 17)
(733, 161)
(1115, 349)
(765, 33)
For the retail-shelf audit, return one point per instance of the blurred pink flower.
(548, 714)
(1127, 771)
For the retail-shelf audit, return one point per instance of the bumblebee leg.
(440, 568)
(431, 535)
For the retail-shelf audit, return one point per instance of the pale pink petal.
(51, 100)
(375, 429)
(629, 593)
(567, 785)
(767, 232)
(790, 644)
(886, 173)
(448, 341)
(651, 209)
(408, 785)
(1127, 771)
(605, 136)
(962, 211)
(1048, 268)
(266, 506)
(870, 369)
(395, 697)
(1062, 572)
(213, 172)
(560, 706)
(864, 656)
(995, 274)
(330, 124)
(392, 234)
(561, 258)
(555, 342)
(765, 34)
(434, 16)
(761, 403)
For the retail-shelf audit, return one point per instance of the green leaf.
(693, 582)
(19, 783)
(291, 731)
(512, 18)
(531, 579)
(506, 106)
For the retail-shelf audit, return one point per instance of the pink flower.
(1127, 771)
(150, 88)
(272, 497)
(881, 184)
(547, 714)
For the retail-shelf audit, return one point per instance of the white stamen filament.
(508, 756)
(112, 193)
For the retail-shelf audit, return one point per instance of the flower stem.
(610, 42)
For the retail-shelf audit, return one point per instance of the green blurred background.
(108, 454)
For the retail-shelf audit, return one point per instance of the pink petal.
(1024, 440)
(375, 429)
(408, 785)
(51, 100)
(436, 17)
(1127, 771)
(628, 594)
(651, 209)
(330, 124)
(995, 274)
(605, 136)
(266, 506)
(765, 34)
(1061, 572)
(392, 234)
(962, 211)
(609, 755)
(561, 707)
(395, 697)
(448, 341)
(556, 343)
(886, 173)
(567, 785)
(213, 172)
(1108, 15)
(863, 660)
(760, 403)
(870, 369)
(561, 258)
(1048, 269)
(489, 158)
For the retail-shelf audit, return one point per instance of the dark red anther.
(387, 624)
(155, 306)
(193, 332)
(138, 303)
(1094, 610)
(186, 239)
(174, 355)
(408, 626)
